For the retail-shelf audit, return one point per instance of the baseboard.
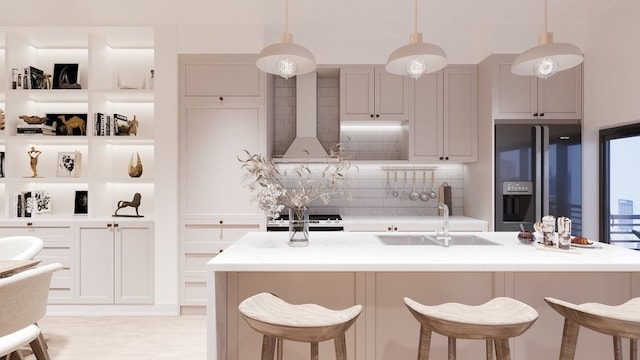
(113, 310)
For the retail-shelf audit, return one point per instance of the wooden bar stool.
(276, 320)
(621, 321)
(494, 321)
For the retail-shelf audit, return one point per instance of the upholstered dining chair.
(24, 297)
(19, 247)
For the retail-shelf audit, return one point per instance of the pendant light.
(548, 57)
(286, 58)
(416, 58)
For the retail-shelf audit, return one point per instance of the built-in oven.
(320, 222)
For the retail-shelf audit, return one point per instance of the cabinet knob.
(541, 114)
(109, 225)
(446, 158)
(535, 114)
(395, 228)
(115, 225)
(221, 98)
(221, 222)
(377, 115)
(29, 224)
(441, 158)
(389, 228)
(371, 116)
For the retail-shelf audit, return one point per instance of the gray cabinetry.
(528, 97)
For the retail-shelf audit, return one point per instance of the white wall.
(611, 91)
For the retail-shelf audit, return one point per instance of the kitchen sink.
(456, 239)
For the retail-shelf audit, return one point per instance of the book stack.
(28, 203)
(106, 125)
(36, 129)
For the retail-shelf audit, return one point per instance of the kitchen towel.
(444, 192)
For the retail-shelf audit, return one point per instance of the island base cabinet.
(386, 329)
(543, 339)
(331, 290)
(116, 263)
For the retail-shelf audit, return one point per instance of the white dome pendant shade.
(416, 58)
(286, 58)
(548, 57)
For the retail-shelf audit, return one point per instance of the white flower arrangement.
(298, 187)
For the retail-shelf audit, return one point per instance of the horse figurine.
(135, 203)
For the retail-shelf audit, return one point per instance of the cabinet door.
(427, 118)
(516, 95)
(221, 76)
(94, 254)
(357, 89)
(133, 263)
(460, 114)
(391, 96)
(211, 175)
(560, 96)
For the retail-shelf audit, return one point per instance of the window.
(619, 190)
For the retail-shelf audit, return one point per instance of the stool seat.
(619, 321)
(494, 321)
(278, 319)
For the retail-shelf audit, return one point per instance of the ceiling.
(345, 31)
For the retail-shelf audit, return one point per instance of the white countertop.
(362, 251)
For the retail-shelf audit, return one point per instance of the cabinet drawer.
(43, 232)
(194, 292)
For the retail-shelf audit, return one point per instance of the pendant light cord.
(286, 16)
(545, 16)
(415, 17)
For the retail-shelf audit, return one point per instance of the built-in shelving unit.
(108, 58)
(107, 260)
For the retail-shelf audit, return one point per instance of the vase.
(299, 226)
(135, 165)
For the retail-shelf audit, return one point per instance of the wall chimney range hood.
(306, 144)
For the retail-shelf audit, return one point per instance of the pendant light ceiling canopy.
(548, 57)
(416, 58)
(286, 58)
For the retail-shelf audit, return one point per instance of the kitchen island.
(339, 269)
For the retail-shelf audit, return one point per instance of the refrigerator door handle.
(545, 170)
(538, 172)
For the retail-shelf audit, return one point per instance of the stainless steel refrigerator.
(538, 171)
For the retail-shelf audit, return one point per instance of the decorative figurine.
(74, 122)
(135, 203)
(133, 126)
(135, 165)
(33, 160)
(33, 119)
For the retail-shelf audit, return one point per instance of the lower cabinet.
(115, 263)
(202, 241)
(59, 247)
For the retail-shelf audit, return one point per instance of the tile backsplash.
(372, 194)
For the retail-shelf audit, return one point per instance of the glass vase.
(299, 226)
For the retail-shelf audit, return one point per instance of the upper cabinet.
(233, 76)
(444, 116)
(371, 93)
(528, 97)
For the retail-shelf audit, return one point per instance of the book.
(41, 203)
(37, 79)
(81, 202)
(68, 164)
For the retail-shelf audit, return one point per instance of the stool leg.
(314, 351)
(341, 347)
(502, 349)
(424, 343)
(452, 348)
(489, 347)
(633, 349)
(617, 348)
(279, 348)
(569, 340)
(268, 346)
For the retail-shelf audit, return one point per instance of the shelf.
(105, 56)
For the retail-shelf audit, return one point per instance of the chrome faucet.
(445, 225)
